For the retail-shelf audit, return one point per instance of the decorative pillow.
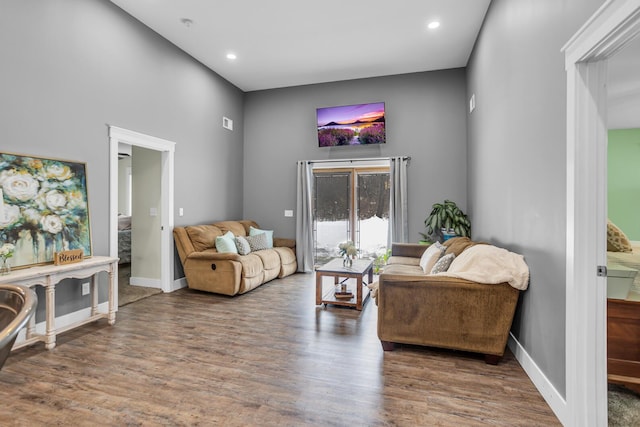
(243, 245)
(442, 264)
(226, 243)
(258, 242)
(430, 256)
(617, 241)
(269, 234)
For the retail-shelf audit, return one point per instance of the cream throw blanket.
(490, 265)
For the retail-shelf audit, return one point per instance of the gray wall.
(425, 119)
(69, 67)
(517, 157)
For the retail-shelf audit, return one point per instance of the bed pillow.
(268, 234)
(617, 241)
(431, 256)
(226, 243)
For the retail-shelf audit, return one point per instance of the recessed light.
(433, 25)
(231, 56)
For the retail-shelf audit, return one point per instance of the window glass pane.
(331, 214)
(372, 213)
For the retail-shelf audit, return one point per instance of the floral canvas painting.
(43, 208)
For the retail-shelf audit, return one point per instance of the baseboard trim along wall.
(146, 282)
(62, 322)
(557, 403)
(178, 284)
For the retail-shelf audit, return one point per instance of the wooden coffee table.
(335, 269)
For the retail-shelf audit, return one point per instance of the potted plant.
(445, 221)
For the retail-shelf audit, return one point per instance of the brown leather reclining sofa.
(227, 273)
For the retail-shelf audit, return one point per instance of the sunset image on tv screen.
(359, 124)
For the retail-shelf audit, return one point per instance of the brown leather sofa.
(226, 273)
(445, 312)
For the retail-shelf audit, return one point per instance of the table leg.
(318, 288)
(94, 295)
(31, 327)
(50, 338)
(112, 303)
(359, 292)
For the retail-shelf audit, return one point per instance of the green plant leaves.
(447, 215)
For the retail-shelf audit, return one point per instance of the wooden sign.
(68, 257)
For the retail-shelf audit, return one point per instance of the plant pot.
(448, 234)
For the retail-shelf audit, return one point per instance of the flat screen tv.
(359, 124)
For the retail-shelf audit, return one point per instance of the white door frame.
(167, 148)
(615, 24)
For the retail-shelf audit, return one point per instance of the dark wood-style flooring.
(266, 358)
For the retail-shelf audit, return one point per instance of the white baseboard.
(146, 282)
(178, 284)
(554, 399)
(63, 321)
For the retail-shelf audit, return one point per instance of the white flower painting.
(43, 207)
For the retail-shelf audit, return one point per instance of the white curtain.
(304, 218)
(398, 227)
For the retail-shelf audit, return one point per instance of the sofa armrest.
(281, 242)
(413, 250)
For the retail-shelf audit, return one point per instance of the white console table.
(49, 276)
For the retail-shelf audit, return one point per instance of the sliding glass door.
(350, 204)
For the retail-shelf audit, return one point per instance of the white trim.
(63, 321)
(547, 390)
(179, 284)
(605, 33)
(145, 282)
(167, 148)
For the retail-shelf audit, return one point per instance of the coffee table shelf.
(340, 273)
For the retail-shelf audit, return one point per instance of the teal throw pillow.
(226, 243)
(269, 235)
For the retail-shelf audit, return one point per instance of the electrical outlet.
(85, 288)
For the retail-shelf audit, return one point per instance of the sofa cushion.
(442, 264)
(403, 269)
(243, 245)
(257, 242)
(268, 233)
(430, 256)
(203, 236)
(251, 266)
(235, 227)
(226, 243)
(405, 260)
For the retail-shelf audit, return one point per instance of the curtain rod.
(370, 159)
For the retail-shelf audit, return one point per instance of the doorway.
(609, 30)
(165, 149)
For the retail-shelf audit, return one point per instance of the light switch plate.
(288, 212)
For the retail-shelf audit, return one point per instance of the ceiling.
(281, 43)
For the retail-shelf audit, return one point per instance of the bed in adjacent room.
(124, 239)
(623, 308)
